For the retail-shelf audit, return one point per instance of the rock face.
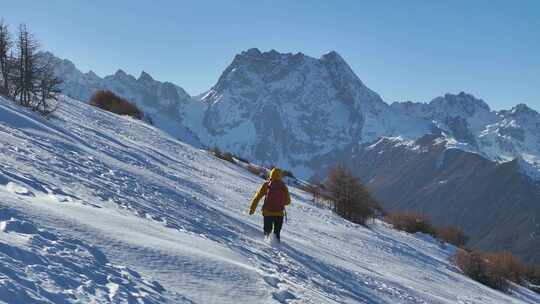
(453, 158)
(291, 107)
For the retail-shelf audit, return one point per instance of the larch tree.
(47, 87)
(27, 67)
(351, 199)
(6, 44)
(34, 81)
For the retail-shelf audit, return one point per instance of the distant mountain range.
(452, 158)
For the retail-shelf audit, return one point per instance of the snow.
(41, 267)
(100, 208)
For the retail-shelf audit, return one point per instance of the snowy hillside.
(96, 207)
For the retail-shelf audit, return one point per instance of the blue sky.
(404, 50)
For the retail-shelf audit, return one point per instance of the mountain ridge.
(258, 78)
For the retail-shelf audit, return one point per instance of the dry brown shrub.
(350, 198)
(410, 222)
(225, 156)
(228, 157)
(452, 235)
(508, 266)
(109, 101)
(494, 269)
(473, 264)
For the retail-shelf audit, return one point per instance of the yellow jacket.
(275, 174)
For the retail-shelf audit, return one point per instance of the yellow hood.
(275, 174)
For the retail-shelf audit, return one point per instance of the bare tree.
(47, 88)
(6, 44)
(351, 199)
(35, 84)
(27, 67)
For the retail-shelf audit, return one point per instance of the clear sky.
(404, 50)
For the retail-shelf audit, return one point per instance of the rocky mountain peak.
(254, 52)
(462, 103)
(145, 77)
(521, 114)
(120, 73)
(333, 56)
(92, 74)
(272, 55)
(91, 77)
(252, 69)
(523, 109)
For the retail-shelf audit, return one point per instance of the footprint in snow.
(284, 296)
(272, 281)
(17, 189)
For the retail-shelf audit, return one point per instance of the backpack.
(275, 197)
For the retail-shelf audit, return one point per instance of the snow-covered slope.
(97, 207)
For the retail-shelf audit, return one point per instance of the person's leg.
(267, 225)
(278, 223)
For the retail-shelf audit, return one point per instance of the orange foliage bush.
(410, 222)
(494, 269)
(111, 102)
(452, 235)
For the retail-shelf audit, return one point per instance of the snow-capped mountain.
(469, 124)
(295, 111)
(99, 208)
(300, 112)
(304, 113)
(285, 108)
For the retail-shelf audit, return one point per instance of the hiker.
(276, 198)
